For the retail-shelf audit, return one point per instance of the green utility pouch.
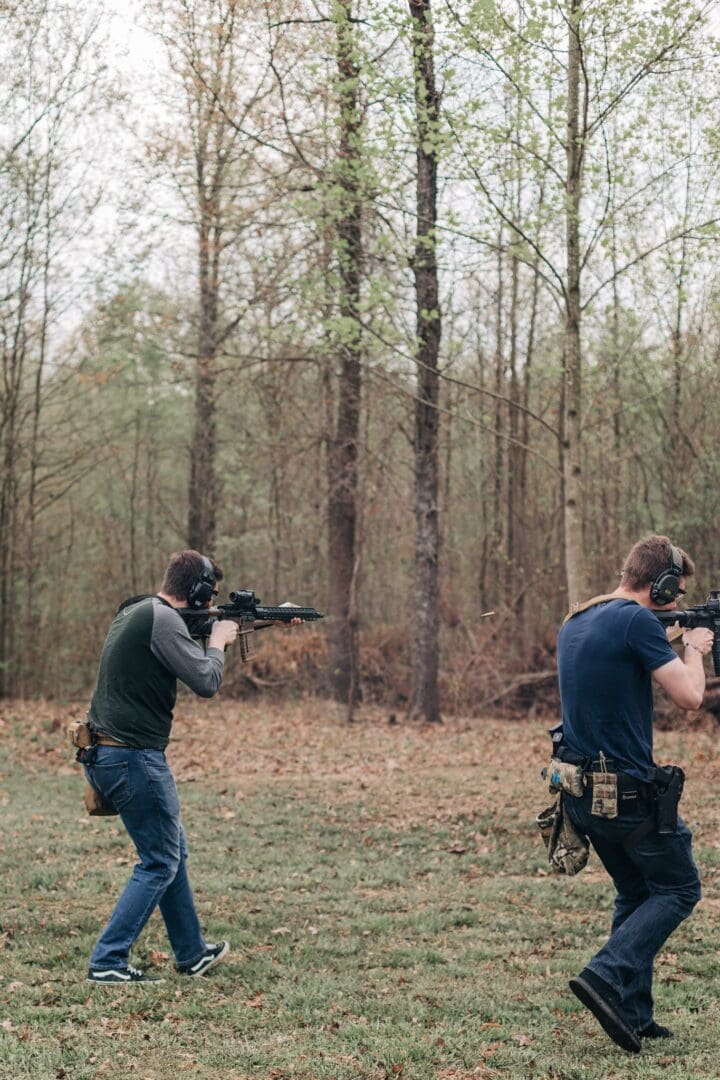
(567, 849)
(604, 792)
(562, 776)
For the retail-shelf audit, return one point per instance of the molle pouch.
(562, 776)
(604, 795)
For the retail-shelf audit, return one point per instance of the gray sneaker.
(212, 955)
(112, 976)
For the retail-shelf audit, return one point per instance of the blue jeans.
(657, 886)
(141, 787)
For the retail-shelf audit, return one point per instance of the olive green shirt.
(148, 648)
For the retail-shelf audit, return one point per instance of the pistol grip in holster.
(669, 782)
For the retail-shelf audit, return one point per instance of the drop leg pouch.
(567, 849)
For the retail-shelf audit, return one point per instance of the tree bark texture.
(572, 366)
(202, 493)
(425, 701)
(342, 468)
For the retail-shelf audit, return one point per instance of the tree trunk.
(572, 367)
(425, 702)
(202, 491)
(498, 564)
(515, 451)
(343, 446)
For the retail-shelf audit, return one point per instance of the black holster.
(668, 783)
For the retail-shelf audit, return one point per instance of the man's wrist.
(689, 645)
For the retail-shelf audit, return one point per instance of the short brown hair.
(183, 570)
(649, 557)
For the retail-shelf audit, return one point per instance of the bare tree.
(48, 79)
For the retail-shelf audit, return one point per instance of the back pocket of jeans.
(113, 782)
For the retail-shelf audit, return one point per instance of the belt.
(626, 784)
(105, 740)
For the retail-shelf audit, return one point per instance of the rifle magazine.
(246, 649)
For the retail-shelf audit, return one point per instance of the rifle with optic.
(706, 615)
(244, 609)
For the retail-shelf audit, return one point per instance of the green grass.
(363, 945)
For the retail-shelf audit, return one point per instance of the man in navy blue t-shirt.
(609, 654)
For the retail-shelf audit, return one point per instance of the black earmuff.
(203, 589)
(666, 585)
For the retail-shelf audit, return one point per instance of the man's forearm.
(693, 661)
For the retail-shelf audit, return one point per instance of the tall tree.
(575, 565)
(342, 457)
(210, 156)
(425, 702)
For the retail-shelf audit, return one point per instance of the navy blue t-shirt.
(605, 658)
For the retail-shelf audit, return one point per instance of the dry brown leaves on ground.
(408, 771)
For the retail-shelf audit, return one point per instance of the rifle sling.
(579, 606)
(673, 632)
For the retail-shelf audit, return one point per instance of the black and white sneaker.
(211, 956)
(112, 976)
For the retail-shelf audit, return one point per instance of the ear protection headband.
(666, 585)
(202, 590)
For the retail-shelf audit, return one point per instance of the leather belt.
(105, 740)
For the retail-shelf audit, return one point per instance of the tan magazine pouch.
(604, 792)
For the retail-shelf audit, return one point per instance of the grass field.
(384, 892)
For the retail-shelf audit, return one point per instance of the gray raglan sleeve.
(172, 645)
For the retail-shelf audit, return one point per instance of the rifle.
(244, 609)
(706, 615)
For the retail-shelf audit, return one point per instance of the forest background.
(409, 311)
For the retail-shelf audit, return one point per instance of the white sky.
(137, 54)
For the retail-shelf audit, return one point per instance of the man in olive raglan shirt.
(148, 648)
(609, 655)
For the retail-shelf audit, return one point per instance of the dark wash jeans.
(140, 785)
(657, 886)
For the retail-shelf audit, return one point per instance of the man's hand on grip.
(699, 638)
(223, 633)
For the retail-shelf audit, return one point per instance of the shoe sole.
(612, 1024)
(215, 960)
(125, 982)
